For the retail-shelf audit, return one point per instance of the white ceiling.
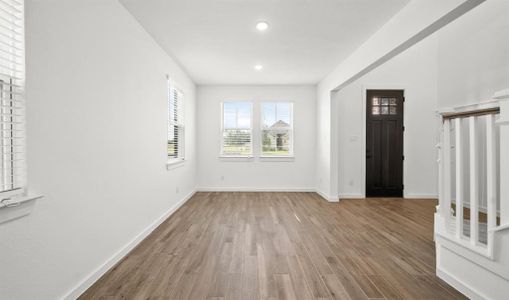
(216, 42)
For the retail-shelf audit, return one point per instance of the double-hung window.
(12, 101)
(175, 123)
(277, 129)
(237, 135)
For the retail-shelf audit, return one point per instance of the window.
(12, 102)
(175, 124)
(277, 129)
(384, 106)
(237, 129)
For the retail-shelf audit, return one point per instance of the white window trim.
(234, 157)
(173, 163)
(284, 157)
(277, 158)
(18, 201)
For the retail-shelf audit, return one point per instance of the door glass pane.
(393, 101)
(376, 101)
(393, 110)
(385, 101)
(385, 110)
(376, 110)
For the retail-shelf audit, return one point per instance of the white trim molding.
(504, 94)
(250, 189)
(459, 285)
(17, 207)
(175, 163)
(90, 279)
(420, 196)
(327, 197)
(351, 196)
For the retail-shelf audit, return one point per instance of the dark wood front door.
(384, 143)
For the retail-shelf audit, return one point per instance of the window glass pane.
(175, 126)
(276, 142)
(173, 141)
(268, 114)
(276, 128)
(237, 142)
(171, 106)
(375, 110)
(237, 115)
(237, 128)
(244, 116)
(276, 114)
(229, 116)
(284, 113)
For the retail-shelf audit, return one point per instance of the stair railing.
(473, 162)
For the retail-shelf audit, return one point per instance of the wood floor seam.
(283, 245)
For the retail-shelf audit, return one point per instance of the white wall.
(97, 119)
(415, 72)
(473, 55)
(255, 174)
(417, 20)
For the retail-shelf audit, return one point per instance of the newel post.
(503, 123)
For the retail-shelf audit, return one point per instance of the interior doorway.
(384, 143)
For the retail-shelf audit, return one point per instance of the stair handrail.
(496, 111)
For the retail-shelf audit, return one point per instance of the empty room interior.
(254, 149)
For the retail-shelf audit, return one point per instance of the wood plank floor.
(283, 246)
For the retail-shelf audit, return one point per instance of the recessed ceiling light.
(262, 26)
(258, 67)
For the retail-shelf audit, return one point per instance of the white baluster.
(459, 179)
(503, 122)
(445, 204)
(491, 179)
(474, 182)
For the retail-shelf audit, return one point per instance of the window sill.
(175, 163)
(235, 158)
(18, 200)
(288, 158)
(17, 207)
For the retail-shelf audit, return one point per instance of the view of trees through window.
(237, 142)
(276, 129)
(237, 128)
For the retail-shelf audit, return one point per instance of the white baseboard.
(458, 285)
(420, 196)
(406, 196)
(351, 196)
(247, 189)
(327, 197)
(89, 280)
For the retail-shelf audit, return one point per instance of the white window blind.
(176, 123)
(277, 129)
(237, 139)
(12, 92)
